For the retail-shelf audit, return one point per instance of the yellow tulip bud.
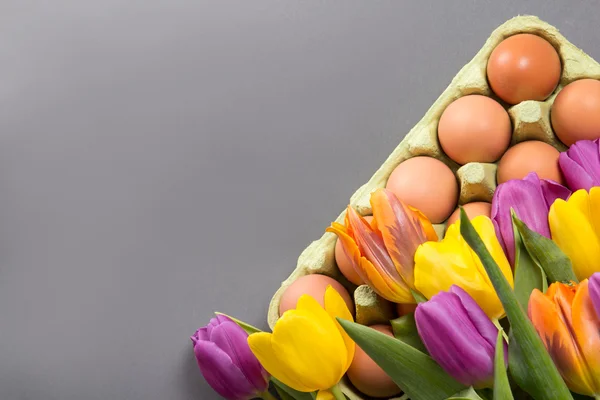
(575, 227)
(439, 265)
(308, 349)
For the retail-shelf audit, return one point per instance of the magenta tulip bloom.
(530, 198)
(226, 362)
(580, 165)
(594, 288)
(459, 336)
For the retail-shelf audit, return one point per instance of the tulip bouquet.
(506, 307)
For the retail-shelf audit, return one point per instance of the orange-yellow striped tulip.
(569, 325)
(383, 253)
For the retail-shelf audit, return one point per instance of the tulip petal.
(233, 340)
(595, 209)
(594, 288)
(426, 224)
(261, 345)
(325, 395)
(580, 201)
(309, 341)
(575, 175)
(586, 327)
(573, 230)
(392, 291)
(201, 334)
(485, 228)
(500, 220)
(580, 165)
(209, 327)
(480, 321)
(447, 332)
(439, 265)
(220, 372)
(349, 246)
(552, 191)
(372, 246)
(336, 307)
(526, 198)
(585, 152)
(402, 231)
(550, 321)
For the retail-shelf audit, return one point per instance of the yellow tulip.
(575, 228)
(308, 349)
(439, 265)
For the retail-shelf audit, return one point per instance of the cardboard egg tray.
(530, 121)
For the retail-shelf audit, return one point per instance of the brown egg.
(530, 156)
(313, 285)
(474, 129)
(473, 210)
(575, 113)
(426, 184)
(367, 376)
(345, 264)
(404, 309)
(523, 67)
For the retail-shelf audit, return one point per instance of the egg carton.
(530, 121)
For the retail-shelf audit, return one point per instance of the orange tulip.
(569, 325)
(383, 253)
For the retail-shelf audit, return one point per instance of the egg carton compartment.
(477, 181)
(531, 121)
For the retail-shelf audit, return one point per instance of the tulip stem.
(267, 396)
(337, 393)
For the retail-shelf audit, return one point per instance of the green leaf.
(518, 393)
(577, 396)
(528, 274)
(485, 394)
(283, 395)
(517, 363)
(538, 375)
(405, 329)
(292, 393)
(502, 389)
(247, 327)
(547, 254)
(419, 298)
(467, 394)
(416, 373)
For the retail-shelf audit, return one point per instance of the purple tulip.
(594, 288)
(530, 198)
(459, 336)
(580, 165)
(226, 361)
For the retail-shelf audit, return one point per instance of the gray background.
(163, 159)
